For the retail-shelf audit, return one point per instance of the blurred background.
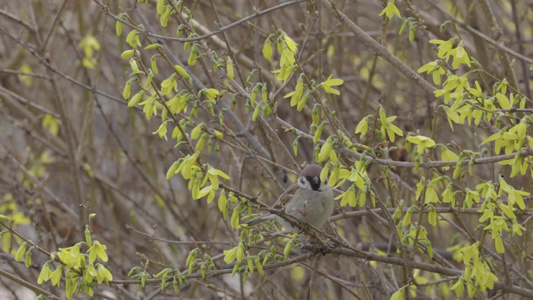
(70, 146)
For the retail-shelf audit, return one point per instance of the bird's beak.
(315, 183)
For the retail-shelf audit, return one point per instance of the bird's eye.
(302, 181)
(308, 178)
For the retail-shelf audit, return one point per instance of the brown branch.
(378, 48)
(28, 285)
(495, 32)
(222, 29)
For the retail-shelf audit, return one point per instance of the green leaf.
(390, 10)
(217, 172)
(159, 7)
(153, 46)
(458, 287)
(405, 24)
(498, 243)
(422, 142)
(348, 197)
(191, 257)
(169, 84)
(21, 251)
(432, 216)
(127, 54)
(205, 190)
(134, 66)
(295, 146)
(103, 274)
(329, 83)
(256, 112)
(250, 264)
(132, 39)
(258, 266)
(127, 90)
(287, 249)
(240, 252)
(431, 195)
(419, 188)
(235, 217)
(136, 99)
(412, 31)
(255, 92)
(97, 250)
(165, 15)
(503, 101)
(56, 275)
(230, 255)
(302, 101)
(162, 131)
(118, 26)
(181, 72)
(267, 49)
(325, 151)
(398, 295)
(229, 68)
(290, 42)
(362, 127)
(195, 133)
(27, 259)
(318, 132)
(211, 94)
(45, 274)
(407, 218)
(70, 286)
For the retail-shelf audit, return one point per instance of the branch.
(378, 48)
(27, 284)
(259, 13)
(483, 36)
(495, 31)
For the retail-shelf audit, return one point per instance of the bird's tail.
(260, 219)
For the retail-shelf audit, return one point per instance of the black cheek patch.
(315, 183)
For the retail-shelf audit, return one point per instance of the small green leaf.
(136, 99)
(390, 10)
(127, 90)
(267, 49)
(195, 133)
(240, 252)
(230, 255)
(153, 46)
(118, 25)
(127, 54)
(97, 250)
(329, 83)
(56, 276)
(325, 151)
(21, 251)
(45, 274)
(229, 68)
(193, 56)
(503, 101)
(432, 216)
(27, 259)
(181, 71)
(318, 132)
(288, 247)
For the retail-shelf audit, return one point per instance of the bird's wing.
(286, 196)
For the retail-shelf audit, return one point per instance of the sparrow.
(311, 203)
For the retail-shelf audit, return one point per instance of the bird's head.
(309, 179)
